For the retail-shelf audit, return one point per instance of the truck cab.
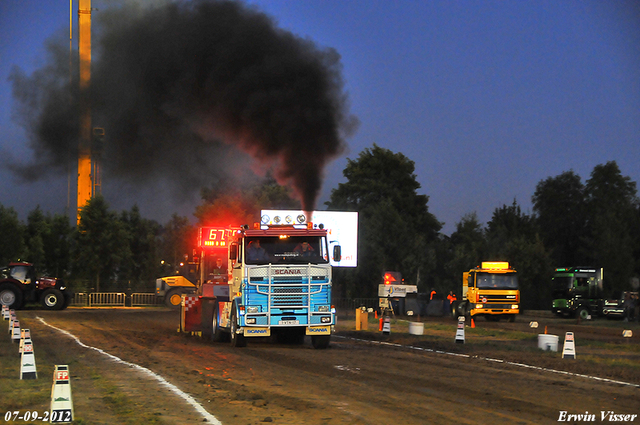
(490, 290)
(578, 291)
(279, 282)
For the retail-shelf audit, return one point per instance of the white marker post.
(15, 331)
(28, 363)
(61, 402)
(386, 325)
(25, 335)
(460, 331)
(569, 349)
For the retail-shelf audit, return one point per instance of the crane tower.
(86, 167)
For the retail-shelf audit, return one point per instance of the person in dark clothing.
(304, 249)
(255, 252)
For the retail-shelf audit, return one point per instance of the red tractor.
(19, 285)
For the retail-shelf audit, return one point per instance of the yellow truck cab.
(490, 290)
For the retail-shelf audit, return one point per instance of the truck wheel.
(582, 313)
(11, 296)
(237, 340)
(173, 299)
(320, 341)
(454, 309)
(217, 335)
(52, 299)
(462, 308)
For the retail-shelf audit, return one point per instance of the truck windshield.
(286, 249)
(562, 283)
(497, 281)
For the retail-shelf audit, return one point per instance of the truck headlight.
(251, 320)
(325, 319)
(254, 309)
(514, 307)
(323, 308)
(478, 305)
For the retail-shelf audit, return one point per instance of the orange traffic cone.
(376, 314)
(473, 324)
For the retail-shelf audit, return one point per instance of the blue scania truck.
(272, 281)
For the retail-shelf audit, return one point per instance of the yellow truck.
(490, 290)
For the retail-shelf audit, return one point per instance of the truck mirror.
(233, 252)
(337, 253)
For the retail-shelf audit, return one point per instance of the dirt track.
(426, 380)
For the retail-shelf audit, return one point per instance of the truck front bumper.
(485, 308)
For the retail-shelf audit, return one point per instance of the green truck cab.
(577, 292)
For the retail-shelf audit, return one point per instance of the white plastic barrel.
(548, 342)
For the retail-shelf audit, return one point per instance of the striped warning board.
(61, 401)
(569, 349)
(191, 314)
(190, 301)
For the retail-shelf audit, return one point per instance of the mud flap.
(191, 314)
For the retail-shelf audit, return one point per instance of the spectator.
(451, 297)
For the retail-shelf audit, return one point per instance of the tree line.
(110, 251)
(573, 223)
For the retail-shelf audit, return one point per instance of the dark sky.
(486, 97)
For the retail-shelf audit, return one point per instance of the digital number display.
(213, 237)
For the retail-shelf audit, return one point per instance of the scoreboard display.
(213, 238)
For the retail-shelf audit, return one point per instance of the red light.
(391, 278)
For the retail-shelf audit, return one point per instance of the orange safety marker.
(473, 324)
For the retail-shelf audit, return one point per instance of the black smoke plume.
(178, 88)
